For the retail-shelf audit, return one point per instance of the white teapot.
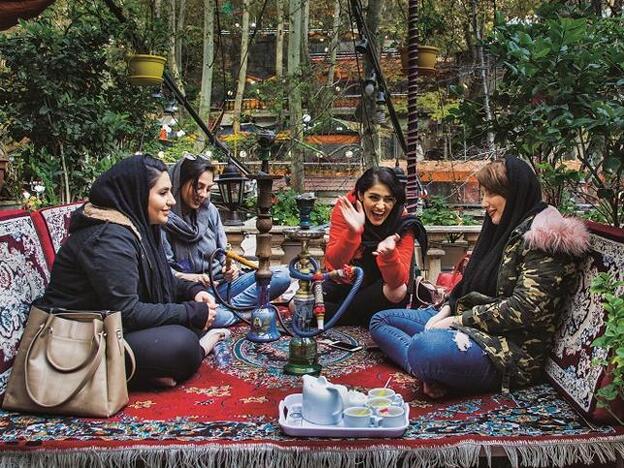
(322, 400)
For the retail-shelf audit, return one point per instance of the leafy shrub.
(285, 210)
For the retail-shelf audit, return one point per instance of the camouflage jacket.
(537, 273)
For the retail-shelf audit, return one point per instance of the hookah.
(308, 301)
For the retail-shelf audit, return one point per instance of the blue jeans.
(244, 294)
(433, 355)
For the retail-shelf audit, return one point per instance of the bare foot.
(210, 339)
(167, 382)
(434, 390)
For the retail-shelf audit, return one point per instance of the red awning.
(10, 12)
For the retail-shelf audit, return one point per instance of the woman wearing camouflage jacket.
(498, 324)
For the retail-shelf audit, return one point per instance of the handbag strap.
(131, 357)
(434, 293)
(89, 374)
(87, 360)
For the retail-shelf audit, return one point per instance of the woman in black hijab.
(497, 326)
(370, 228)
(114, 260)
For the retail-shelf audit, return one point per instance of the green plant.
(610, 290)
(64, 90)
(437, 213)
(560, 93)
(285, 210)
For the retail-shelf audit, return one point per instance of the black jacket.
(101, 266)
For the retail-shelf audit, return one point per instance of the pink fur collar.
(551, 232)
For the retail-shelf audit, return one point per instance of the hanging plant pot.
(146, 70)
(427, 57)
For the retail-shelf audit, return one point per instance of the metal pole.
(413, 187)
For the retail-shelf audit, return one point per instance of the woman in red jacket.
(370, 228)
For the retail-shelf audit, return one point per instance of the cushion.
(53, 227)
(24, 275)
(569, 366)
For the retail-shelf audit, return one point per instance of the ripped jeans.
(434, 356)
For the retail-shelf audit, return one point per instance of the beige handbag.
(70, 363)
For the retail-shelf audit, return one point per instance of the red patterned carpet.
(229, 418)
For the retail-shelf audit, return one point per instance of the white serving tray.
(301, 427)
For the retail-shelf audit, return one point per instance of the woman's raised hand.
(387, 245)
(353, 215)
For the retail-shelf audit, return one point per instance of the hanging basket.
(146, 70)
(427, 57)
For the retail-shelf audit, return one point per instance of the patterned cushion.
(24, 275)
(569, 366)
(53, 227)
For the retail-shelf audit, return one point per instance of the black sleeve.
(110, 260)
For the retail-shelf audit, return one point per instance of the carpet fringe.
(268, 455)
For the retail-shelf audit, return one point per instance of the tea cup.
(376, 403)
(357, 416)
(381, 392)
(391, 416)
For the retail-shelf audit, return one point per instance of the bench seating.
(28, 242)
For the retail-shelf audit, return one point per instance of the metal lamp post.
(231, 186)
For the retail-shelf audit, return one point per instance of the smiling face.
(160, 200)
(378, 202)
(195, 196)
(494, 204)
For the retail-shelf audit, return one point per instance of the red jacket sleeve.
(343, 243)
(395, 266)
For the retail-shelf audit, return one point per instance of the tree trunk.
(333, 45)
(294, 99)
(305, 25)
(173, 64)
(179, 34)
(486, 90)
(371, 143)
(157, 8)
(279, 41)
(242, 70)
(207, 62)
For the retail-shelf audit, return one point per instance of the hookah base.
(302, 369)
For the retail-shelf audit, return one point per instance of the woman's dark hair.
(381, 175)
(155, 168)
(192, 169)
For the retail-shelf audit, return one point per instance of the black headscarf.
(524, 200)
(125, 188)
(396, 223)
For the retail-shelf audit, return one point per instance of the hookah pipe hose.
(235, 309)
(316, 276)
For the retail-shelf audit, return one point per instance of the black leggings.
(167, 351)
(367, 302)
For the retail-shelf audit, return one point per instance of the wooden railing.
(447, 244)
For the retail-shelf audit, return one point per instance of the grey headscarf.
(191, 238)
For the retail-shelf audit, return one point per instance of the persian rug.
(570, 367)
(229, 418)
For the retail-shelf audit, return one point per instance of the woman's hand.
(444, 312)
(353, 215)
(202, 278)
(230, 274)
(448, 322)
(203, 296)
(387, 245)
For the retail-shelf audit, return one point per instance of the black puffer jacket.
(101, 266)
